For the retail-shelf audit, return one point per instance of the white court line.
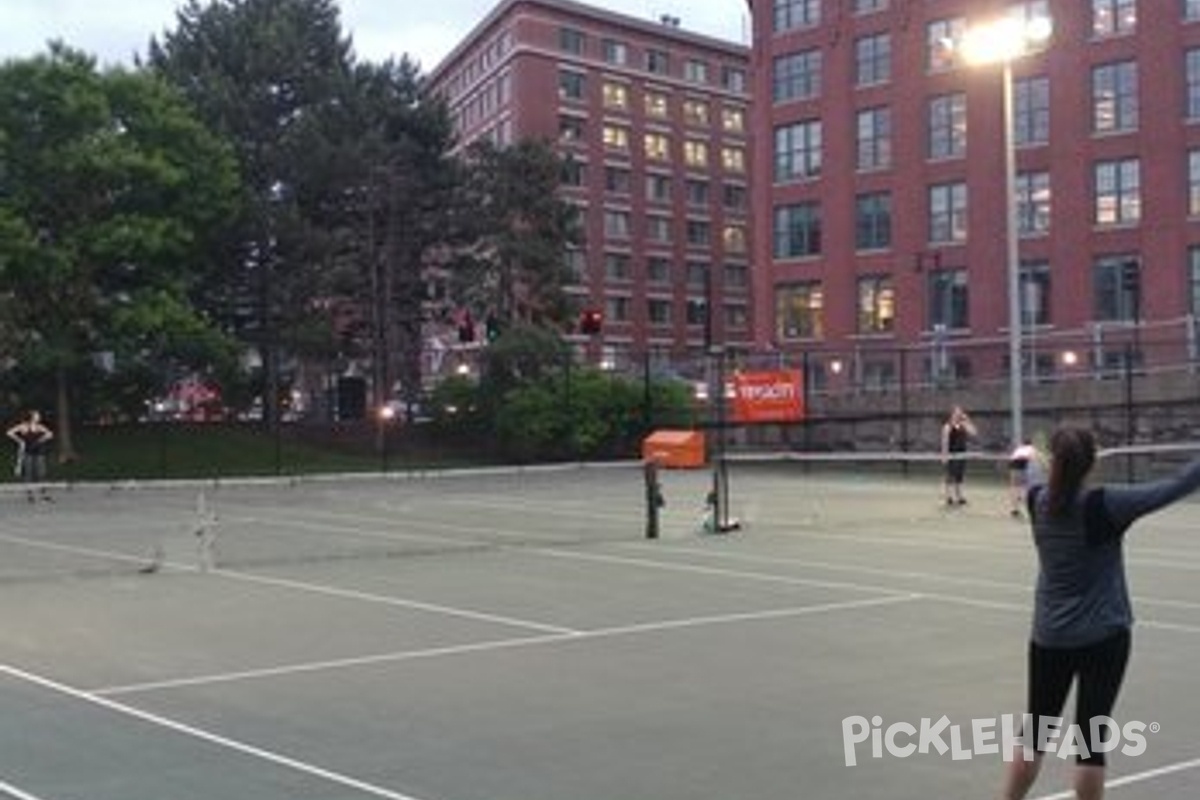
(913, 574)
(253, 751)
(1126, 780)
(314, 588)
(505, 644)
(8, 789)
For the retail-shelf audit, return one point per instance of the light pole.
(1001, 42)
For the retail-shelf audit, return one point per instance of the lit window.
(695, 154)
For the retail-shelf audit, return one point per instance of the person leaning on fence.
(32, 439)
(955, 434)
(1082, 613)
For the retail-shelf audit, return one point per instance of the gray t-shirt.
(1082, 596)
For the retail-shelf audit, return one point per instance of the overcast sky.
(113, 30)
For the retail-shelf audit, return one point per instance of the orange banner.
(768, 396)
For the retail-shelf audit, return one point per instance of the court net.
(130, 528)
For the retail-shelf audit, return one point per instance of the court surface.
(553, 653)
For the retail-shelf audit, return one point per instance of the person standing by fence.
(957, 431)
(32, 439)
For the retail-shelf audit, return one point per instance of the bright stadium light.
(1001, 42)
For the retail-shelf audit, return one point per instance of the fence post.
(1130, 427)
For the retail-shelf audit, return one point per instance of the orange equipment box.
(683, 449)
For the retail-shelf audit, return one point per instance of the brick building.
(879, 182)
(655, 120)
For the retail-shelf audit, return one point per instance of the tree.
(517, 266)
(270, 76)
(397, 144)
(109, 189)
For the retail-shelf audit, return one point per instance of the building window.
(948, 300)
(869, 6)
(570, 129)
(574, 173)
(797, 230)
(658, 269)
(1033, 203)
(733, 120)
(791, 14)
(1114, 97)
(873, 59)
(656, 105)
(942, 37)
(696, 311)
(576, 265)
(616, 96)
(614, 52)
(695, 153)
(737, 276)
(733, 197)
(658, 311)
(695, 71)
(699, 233)
(1112, 17)
(1192, 76)
(616, 266)
(697, 192)
(876, 304)
(874, 138)
(616, 308)
(799, 311)
(948, 213)
(798, 151)
(570, 85)
(734, 238)
(733, 159)
(617, 180)
(657, 146)
(658, 229)
(1118, 192)
(1194, 183)
(658, 188)
(737, 315)
(733, 79)
(948, 126)
(697, 275)
(616, 224)
(1035, 293)
(1194, 280)
(658, 62)
(796, 76)
(1031, 111)
(616, 137)
(1117, 285)
(873, 221)
(571, 41)
(1191, 9)
(695, 112)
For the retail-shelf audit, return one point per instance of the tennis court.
(510, 635)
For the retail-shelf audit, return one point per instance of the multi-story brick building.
(880, 181)
(655, 120)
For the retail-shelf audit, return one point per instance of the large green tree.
(516, 268)
(109, 190)
(269, 75)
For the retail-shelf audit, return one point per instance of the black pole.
(1130, 427)
(904, 408)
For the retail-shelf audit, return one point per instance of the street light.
(1001, 42)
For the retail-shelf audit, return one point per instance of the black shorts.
(956, 468)
(1100, 668)
(1018, 464)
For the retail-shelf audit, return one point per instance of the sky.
(426, 30)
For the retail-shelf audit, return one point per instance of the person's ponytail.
(1072, 455)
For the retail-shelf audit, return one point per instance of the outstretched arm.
(1125, 504)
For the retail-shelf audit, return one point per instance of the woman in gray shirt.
(1082, 614)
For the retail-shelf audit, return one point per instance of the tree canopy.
(110, 190)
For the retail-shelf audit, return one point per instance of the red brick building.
(655, 120)
(879, 180)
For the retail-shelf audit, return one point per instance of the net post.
(654, 497)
